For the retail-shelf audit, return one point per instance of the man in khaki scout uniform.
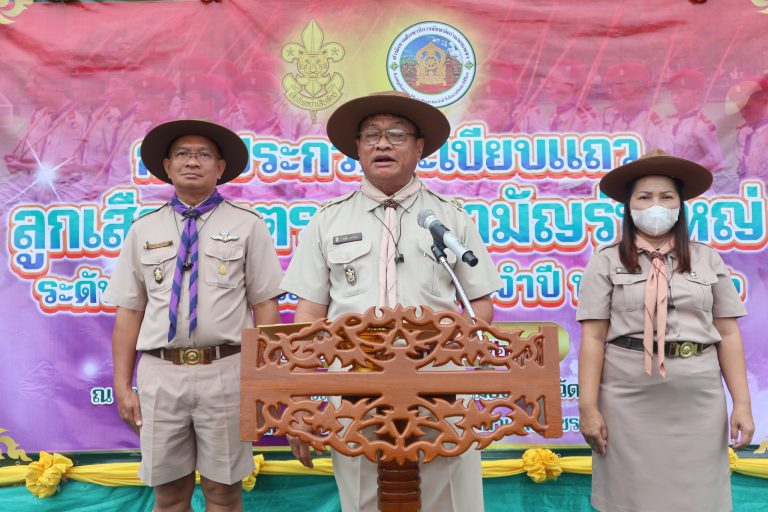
(628, 84)
(751, 98)
(190, 277)
(695, 135)
(366, 249)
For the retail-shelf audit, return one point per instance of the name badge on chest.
(351, 237)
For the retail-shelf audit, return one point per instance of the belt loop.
(218, 351)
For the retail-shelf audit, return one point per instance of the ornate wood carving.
(397, 401)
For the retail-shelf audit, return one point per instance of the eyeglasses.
(395, 136)
(204, 157)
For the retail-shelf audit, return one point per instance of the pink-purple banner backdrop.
(544, 98)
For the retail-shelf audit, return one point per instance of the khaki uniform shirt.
(337, 259)
(695, 138)
(231, 275)
(609, 292)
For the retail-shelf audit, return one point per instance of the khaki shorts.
(191, 420)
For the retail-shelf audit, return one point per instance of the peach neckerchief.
(388, 245)
(655, 298)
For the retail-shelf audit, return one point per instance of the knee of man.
(174, 497)
(221, 494)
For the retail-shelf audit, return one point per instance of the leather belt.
(681, 349)
(205, 355)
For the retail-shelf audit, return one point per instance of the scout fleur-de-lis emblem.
(313, 88)
(225, 237)
(7, 12)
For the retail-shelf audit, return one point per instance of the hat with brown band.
(155, 146)
(695, 178)
(344, 124)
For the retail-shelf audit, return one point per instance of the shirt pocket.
(158, 267)
(628, 291)
(432, 276)
(351, 267)
(700, 286)
(224, 265)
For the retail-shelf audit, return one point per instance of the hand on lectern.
(301, 449)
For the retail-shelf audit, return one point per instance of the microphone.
(428, 220)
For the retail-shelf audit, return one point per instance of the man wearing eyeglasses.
(366, 249)
(191, 275)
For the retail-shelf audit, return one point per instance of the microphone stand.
(438, 251)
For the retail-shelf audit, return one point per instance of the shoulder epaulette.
(446, 199)
(336, 200)
(150, 213)
(235, 205)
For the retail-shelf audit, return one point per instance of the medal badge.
(225, 237)
(351, 274)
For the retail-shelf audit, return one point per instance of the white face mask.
(655, 220)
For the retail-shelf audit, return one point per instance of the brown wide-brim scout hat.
(695, 178)
(155, 146)
(344, 123)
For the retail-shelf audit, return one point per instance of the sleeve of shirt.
(262, 268)
(126, 287)
(482, 279)
(595, 290)
(308, 276)
(726, 302)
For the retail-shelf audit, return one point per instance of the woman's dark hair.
(627, 247)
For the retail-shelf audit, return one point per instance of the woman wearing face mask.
(658, 315)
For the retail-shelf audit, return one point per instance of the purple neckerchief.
(187, 259)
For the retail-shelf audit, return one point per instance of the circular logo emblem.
(432, 62)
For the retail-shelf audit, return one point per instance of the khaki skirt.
(667, 437)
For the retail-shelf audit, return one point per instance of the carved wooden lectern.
(398, 402)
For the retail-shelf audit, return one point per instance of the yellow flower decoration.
(541, 464)
(733, 459)
(43, 476)
(249, 482)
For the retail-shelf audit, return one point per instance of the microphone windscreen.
(423, 216)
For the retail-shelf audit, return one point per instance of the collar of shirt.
(672, 255)
(61, 111)
(180, 219)
(631, 117)
(686, 115)
(563, 108)
(370, 205)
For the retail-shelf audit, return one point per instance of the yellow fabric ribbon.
(541, 464)
(43, 476)
(125, 473)
(249, 482)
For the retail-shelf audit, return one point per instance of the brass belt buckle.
(687, 349)
(191, 356)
